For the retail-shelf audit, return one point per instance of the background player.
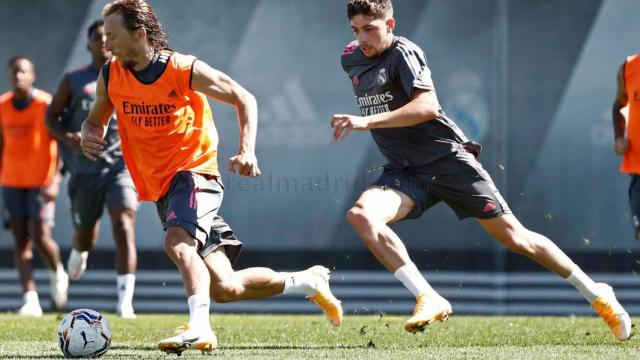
(94, 184)
(627, 122)
(430, 160)
(29, 182)
(169, 143)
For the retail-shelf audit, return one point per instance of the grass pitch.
(361, 337)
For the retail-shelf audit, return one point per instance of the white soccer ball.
(84, 333)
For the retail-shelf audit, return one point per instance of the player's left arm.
(619, 120)
(221, 87)
(423, 107)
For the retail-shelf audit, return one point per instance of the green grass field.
(361, 337)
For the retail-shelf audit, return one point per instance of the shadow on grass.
(293, 347)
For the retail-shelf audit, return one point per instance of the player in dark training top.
(94, 185)
(430, 160)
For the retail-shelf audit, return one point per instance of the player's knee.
(123, 224)
(358, 216)
(227, 291)
(176, 247)
(24, 253)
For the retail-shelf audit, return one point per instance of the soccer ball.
(84, 333)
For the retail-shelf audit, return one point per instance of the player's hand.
(621, 146)
(244, 164)
(50, 193)
(92, 146)
(72, 140)
(343, 125)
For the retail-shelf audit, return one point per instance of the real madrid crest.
(382, 76)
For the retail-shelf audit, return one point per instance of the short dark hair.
(139, 14)
(14, 60)
(93, 27)
(376, 8)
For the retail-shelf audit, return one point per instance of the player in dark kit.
(94, 184)
(430, 160)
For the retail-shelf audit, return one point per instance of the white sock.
(57, 271)
(31, 297)
(125, 284)
(199, 312)
(583, 283)
(300, 282)
(413, 280)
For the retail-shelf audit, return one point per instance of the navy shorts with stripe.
(192, 202)
(22, 204)
(90, 193)
(457, 179)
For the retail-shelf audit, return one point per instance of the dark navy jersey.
(82, 85)
(388, 82)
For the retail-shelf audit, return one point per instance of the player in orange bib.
(169, 144)
(29, 182)
(626, 120)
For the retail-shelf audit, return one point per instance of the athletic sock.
(300, 282)
(413, 280)
(125, 283)
(31, 297)
(587, 287)
(199, 312)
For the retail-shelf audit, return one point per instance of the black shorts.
(457, 179)
(89, 193)
(192, 202)
(23, 204)
(634, 202)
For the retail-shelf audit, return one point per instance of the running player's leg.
(123, 226)
(87, 202)
(123, 223)
(222, 248)
(15, 208)
(369, 217)
(228, 285)
(41, 215)
(182, 217)
(23, 255)
(508, 230)
(197, 334)
(122, 203)
(473, 193)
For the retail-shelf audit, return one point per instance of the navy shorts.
(457, 179)
(192, 202)
(634, 202)
(89, 193)
(22, 204)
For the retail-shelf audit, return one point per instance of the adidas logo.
(488, 207)
(291, 120)
(172, 93)
(172, 215)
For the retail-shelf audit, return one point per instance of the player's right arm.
(619, 119)
(94, 127)
(221, 87)
(60, 101)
